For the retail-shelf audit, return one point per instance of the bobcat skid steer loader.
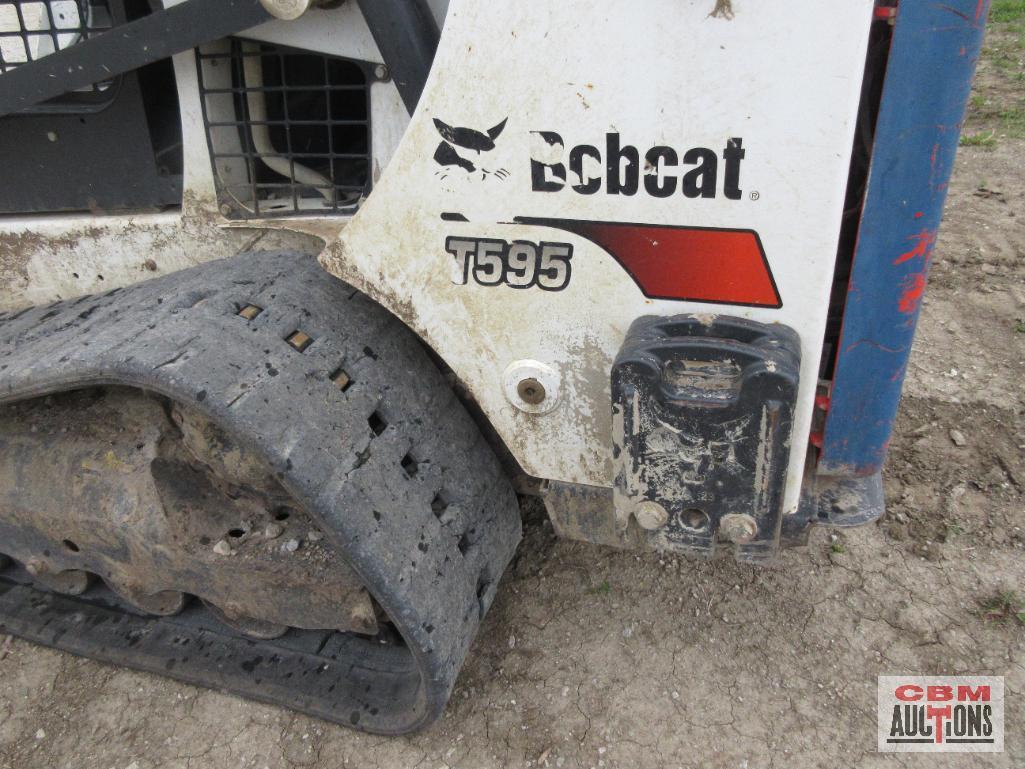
(297, 295)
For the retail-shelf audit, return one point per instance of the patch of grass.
(1003, 607)
(997, 104)
(1019, 326)
(837, 547)
(984, 139)
(1001, 57)
(603, 589)
(1013, 121)
(976, 106)
(1002, 11)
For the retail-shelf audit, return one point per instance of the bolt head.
(531, 391)
(286, 9)
(381, 72)
(651, 515)
(738, 527)
(531, 386)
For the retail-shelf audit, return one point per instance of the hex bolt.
(381, 72)
(531, 386)
(651, 515)
(531, 391)
(287, 10)
(225, 209)
(738, 527)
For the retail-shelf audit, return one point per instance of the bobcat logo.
(469, 140)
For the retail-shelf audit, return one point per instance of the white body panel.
(784, 77)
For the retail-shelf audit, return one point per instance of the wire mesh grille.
(32, 29)
(288, 130)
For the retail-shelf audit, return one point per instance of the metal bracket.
(702, 411)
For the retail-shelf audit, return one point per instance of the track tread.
(181, 335)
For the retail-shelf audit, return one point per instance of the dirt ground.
(598, 658)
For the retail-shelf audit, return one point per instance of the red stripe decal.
(695, 264)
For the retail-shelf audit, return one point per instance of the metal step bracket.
(702, 414)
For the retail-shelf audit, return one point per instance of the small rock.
(40, 735)
(150, 265)
(273, 531)
(897, 531)
(957, 438)
(314, 536)
(222, 548)
(291, 546)
(512, 642)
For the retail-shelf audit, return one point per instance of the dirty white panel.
(47, 258)
(784, 78)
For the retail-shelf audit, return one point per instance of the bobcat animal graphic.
(457, 143)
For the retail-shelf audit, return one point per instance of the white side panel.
(47, 258)
(783, 77)
(200, 194)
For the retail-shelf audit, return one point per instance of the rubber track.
(392, 467)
